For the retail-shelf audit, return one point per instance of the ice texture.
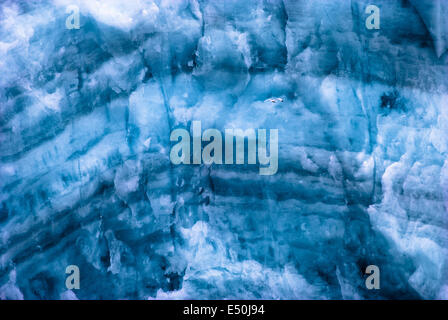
(86, 179)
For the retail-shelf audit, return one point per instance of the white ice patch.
(210, 262)
(121, 14)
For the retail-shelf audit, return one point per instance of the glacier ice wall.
(86, 179)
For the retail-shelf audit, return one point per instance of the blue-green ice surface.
(86, 178)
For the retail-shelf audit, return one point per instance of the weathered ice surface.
(86, 178)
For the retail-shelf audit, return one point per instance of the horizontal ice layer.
(85, 176)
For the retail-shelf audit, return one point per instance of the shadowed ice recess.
(86, 178)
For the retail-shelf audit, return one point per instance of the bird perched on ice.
(274, 100)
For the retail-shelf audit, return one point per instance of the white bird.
(274, 100)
